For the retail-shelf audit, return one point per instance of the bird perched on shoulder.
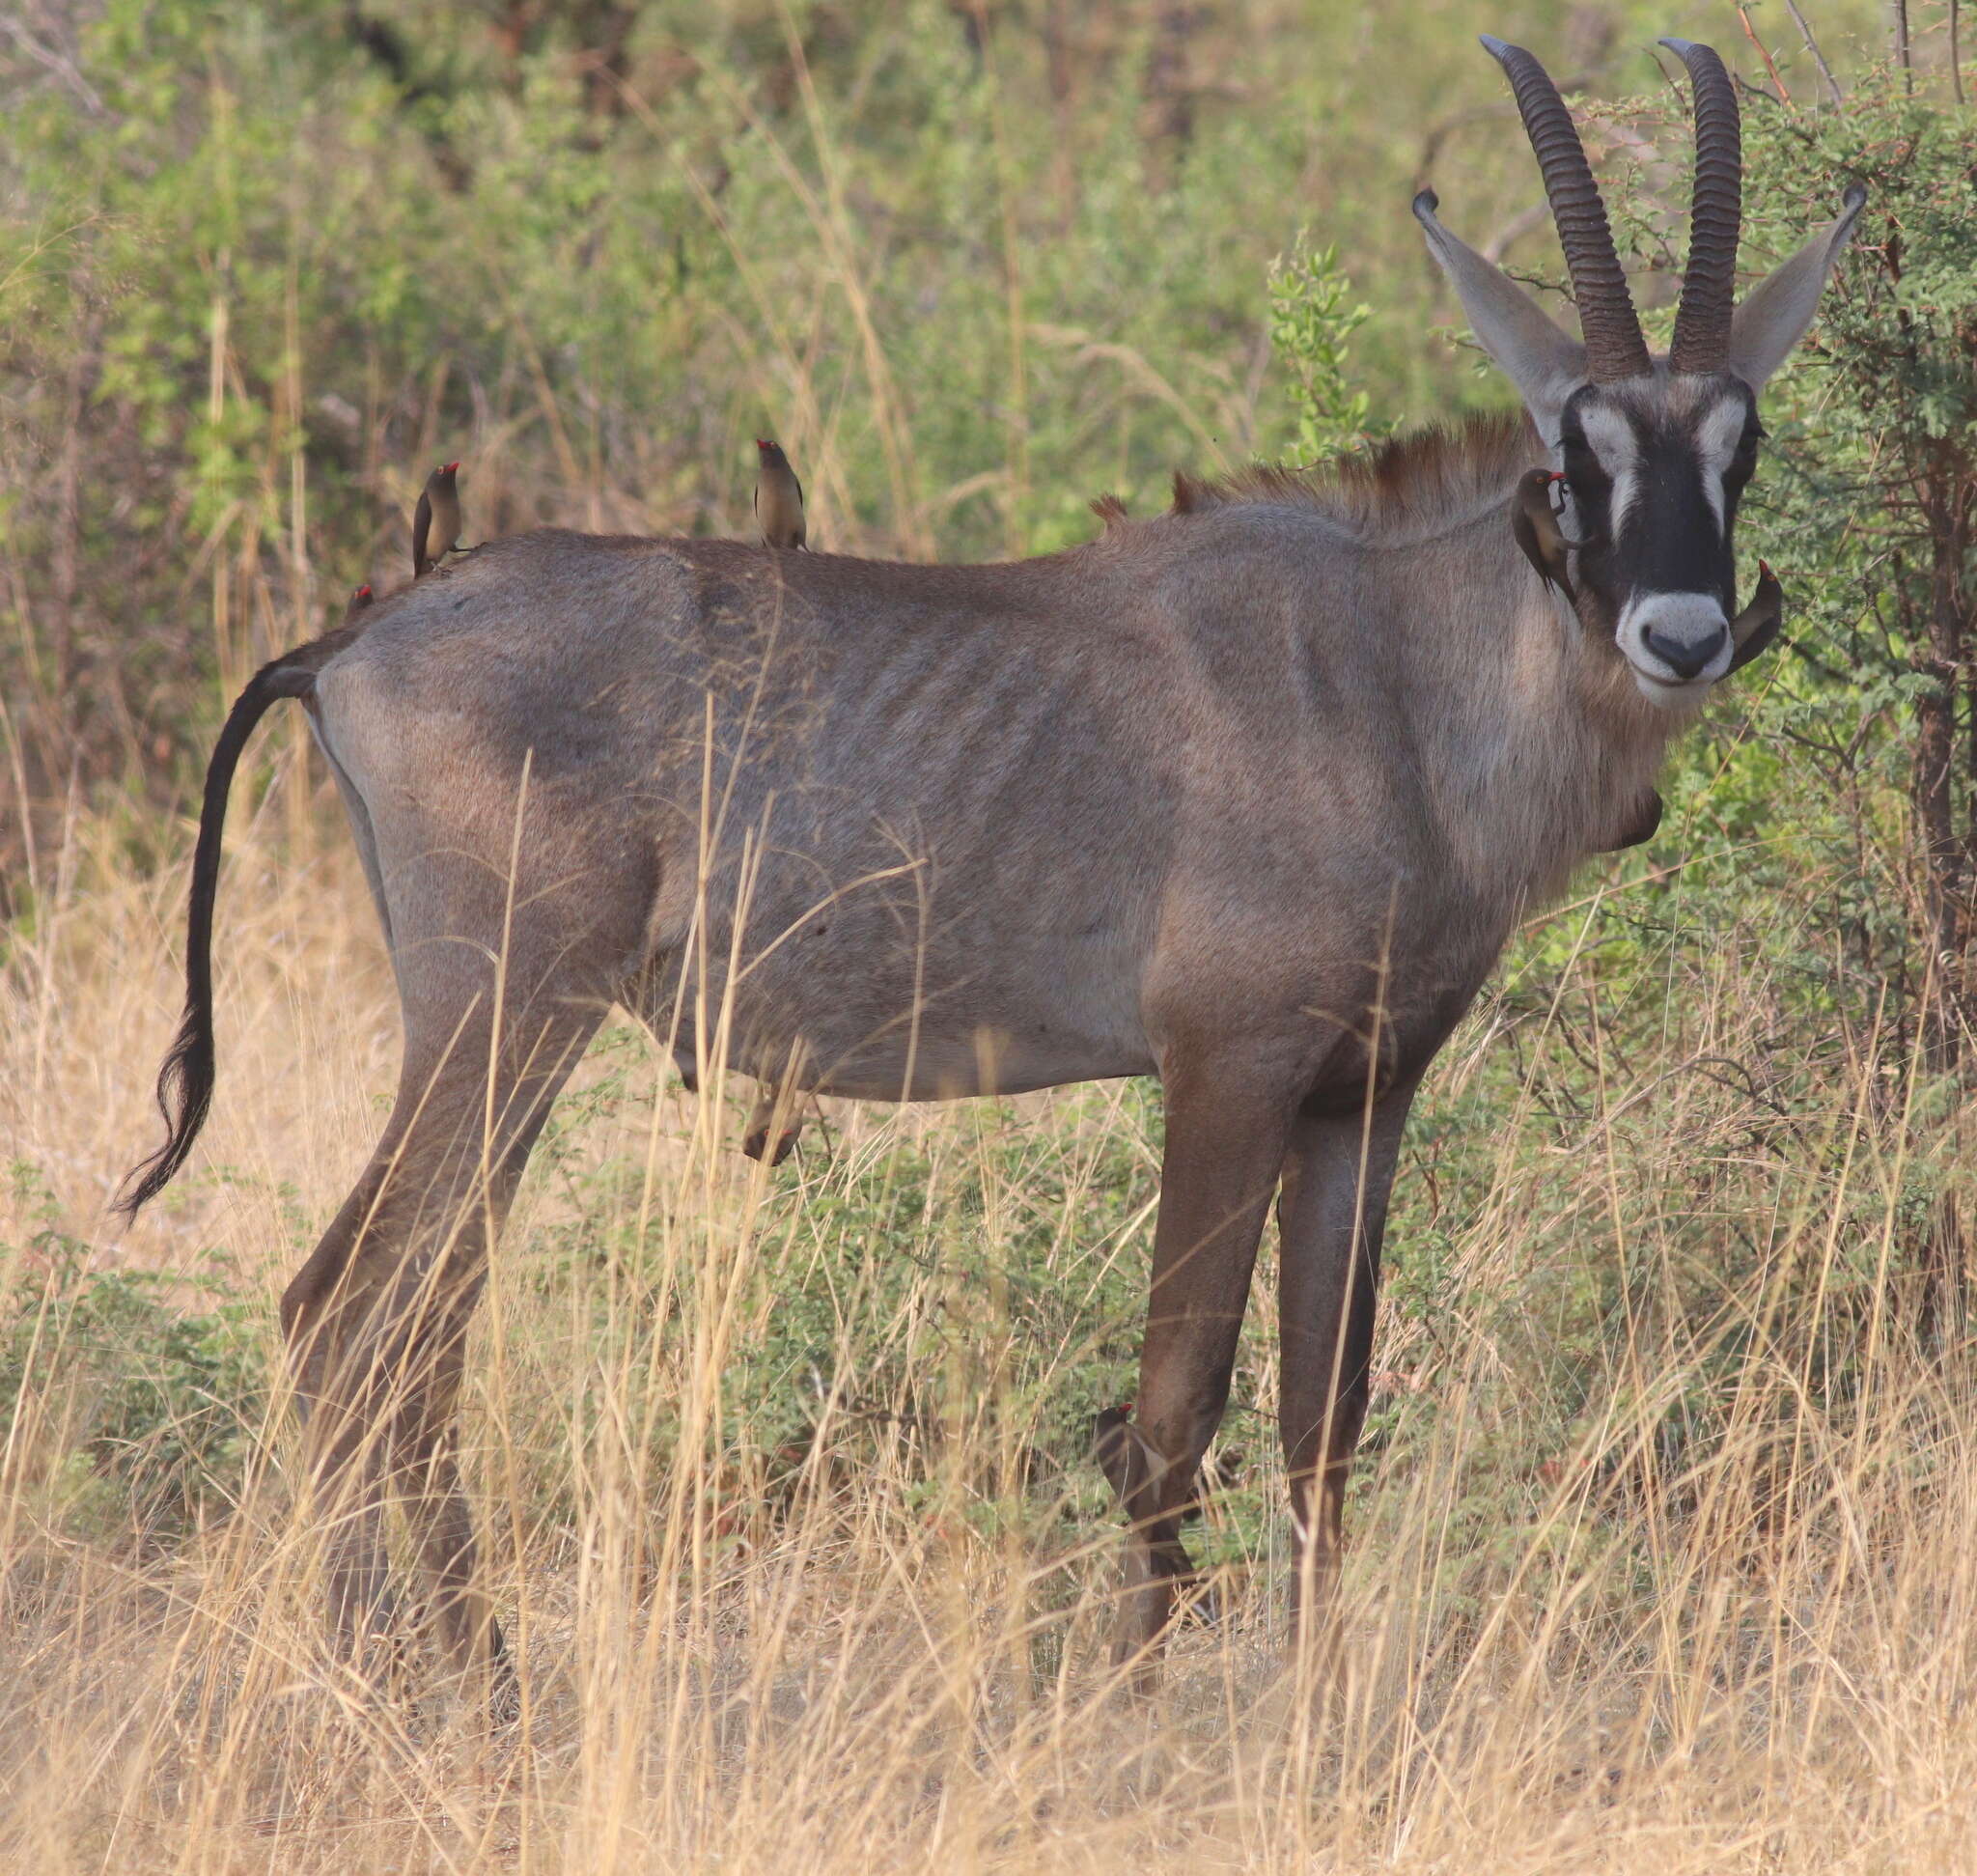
(1535, 523)
(1756, 625)
(778, 499)
(359, 599)
(435, 521)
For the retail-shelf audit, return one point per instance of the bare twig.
(51, 60)
(1763, 52)
(1819, 58)
(1440, 132)
(1955, 56)
(1904, 56)
(1518, 225)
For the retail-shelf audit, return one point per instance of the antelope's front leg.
(1228, 1118)
(1337, 1174)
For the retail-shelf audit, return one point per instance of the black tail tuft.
(185, 1095)
(186, 1081)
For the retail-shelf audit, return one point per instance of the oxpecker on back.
(778, 497)
(435, 521)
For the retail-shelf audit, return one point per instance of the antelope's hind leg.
(1337, 1175)
(376, 1319)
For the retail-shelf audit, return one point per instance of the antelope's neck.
(1545, 750)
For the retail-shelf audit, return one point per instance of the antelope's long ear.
(1777, 310)
(1545, 364)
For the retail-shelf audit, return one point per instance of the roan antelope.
(1247, 795)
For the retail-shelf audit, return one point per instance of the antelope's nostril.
(1684, 656)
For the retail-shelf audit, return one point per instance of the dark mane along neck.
(1403, 486)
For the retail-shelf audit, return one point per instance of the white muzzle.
(1677, 643)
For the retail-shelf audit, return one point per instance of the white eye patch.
(1611, 437)
(1717, 436)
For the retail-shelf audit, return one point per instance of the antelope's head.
(1655, 451)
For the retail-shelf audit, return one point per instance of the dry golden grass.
(1759, 1655)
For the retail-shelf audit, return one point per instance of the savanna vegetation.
(1665, 1521)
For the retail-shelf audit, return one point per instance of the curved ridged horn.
(1709, 282)
(1614, 346)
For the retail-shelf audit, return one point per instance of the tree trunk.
(1950, 860)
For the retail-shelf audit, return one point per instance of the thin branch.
(1819, 58)
(1763, 52)
(1440, 132)
(1955, 56)
(51, 60)
(1518, 226)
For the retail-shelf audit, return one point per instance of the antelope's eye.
(1585, 478)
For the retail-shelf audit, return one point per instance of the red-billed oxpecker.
(762, 1138)
(778, 497)
(435, 521)
(1756, 625)
(1535, 522)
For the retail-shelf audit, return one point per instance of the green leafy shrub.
(1313, 317)
(144, 1392)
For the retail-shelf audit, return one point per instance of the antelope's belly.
(959, 1020)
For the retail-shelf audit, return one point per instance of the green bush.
(145, 1391)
